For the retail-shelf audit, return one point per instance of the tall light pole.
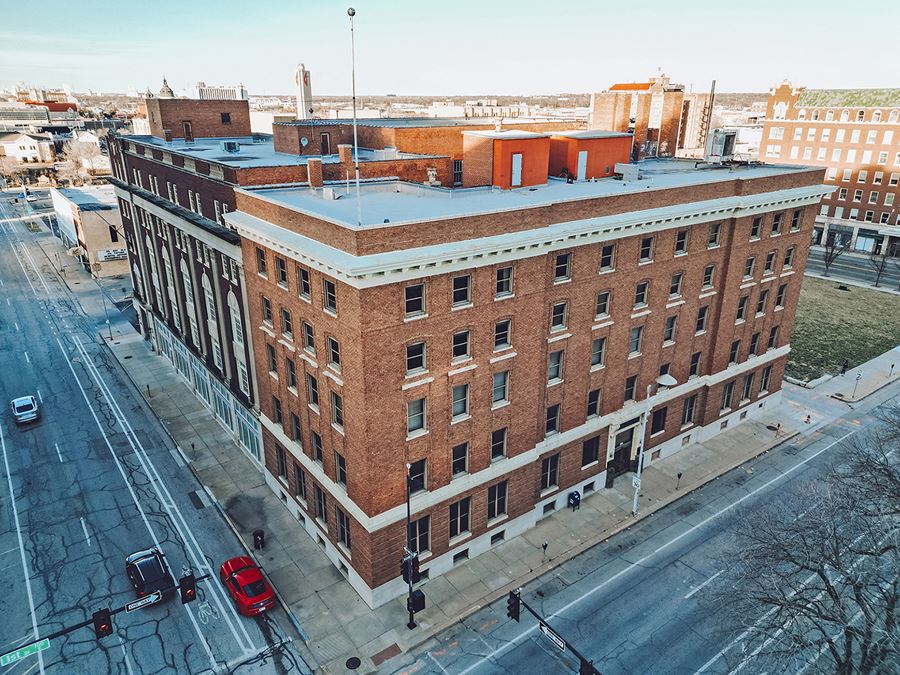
(661, 381)
(351, 13)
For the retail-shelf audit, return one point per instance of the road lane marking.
(40, 397)
(86, 535)
(15, 509)
(26, 357)
(435, 661)
(16, 324)
(127, 660)
(58, 453)
(638, 563)
(134, 498)
(703, 584)
(192, 546)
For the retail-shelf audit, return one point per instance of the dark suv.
(147, 571)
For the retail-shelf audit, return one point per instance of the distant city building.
(205, 93)
(261, 121)
(27, 148)
(166, 91)
(88, 218)
(663, 118)
(855, 136)
(39, 116)
(302, 81)
(28, 94)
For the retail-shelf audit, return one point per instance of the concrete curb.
(584, 546)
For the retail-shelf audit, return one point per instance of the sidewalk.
(335, 620)
(865, 379)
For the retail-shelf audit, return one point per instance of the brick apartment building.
(498, 338)
(855, 136)
(664, 119)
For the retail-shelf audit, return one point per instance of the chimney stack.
(345, 153)
(314, 172)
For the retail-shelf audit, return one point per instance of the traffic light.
(102, 623)
(513, 605)
(414, 569)
(586, 667)
(188, 587)
(406, 568)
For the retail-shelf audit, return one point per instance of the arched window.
(876, 116)
(237, 326)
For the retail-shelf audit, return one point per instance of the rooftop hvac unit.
(328, 193)
(231, 146)
(720, 146)
(628, 172)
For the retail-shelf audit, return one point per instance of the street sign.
(22, 652)
(636, 482)
(155, 596)
(553, 637)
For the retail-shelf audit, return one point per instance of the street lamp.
(665, 380)
(351, 13)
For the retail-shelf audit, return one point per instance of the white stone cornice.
(394, 266)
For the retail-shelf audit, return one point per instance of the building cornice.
(395, 266)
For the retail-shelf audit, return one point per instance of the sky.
(434, 47)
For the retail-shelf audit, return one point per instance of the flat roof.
(592, 133)
(91, 197)
(506, 134)
(255, 151)
(413, 122)
(396, 202)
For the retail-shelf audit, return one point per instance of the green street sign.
(22, 652)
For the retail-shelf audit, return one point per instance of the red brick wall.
(205, 117)
(478, 161)
(603, 153)
(535, 161)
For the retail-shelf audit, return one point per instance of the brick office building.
(855, 136)
(500, 341)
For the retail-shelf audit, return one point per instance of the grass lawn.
(857, 324)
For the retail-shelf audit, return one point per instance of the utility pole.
(351, 13)
(661, 381)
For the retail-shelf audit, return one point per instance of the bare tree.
(12, 169)
(834, 247)
(813, 579)
(82, 155)
(879, 262)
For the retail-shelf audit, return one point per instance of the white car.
(25, 409)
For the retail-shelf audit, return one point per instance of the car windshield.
(150, 569)
(253, 589)
(24, 406)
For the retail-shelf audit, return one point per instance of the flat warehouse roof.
(397, 202)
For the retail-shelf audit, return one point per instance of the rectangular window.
(303, 282)
(748, 267)
(337, 409)
(415, 415)
(497, 500)
(504, 282)
(795, 220)
(418, 476)
(598, 351)
(658, 421)
(459, 517)
(558, 316)
(415, 357)
(281, 271)
(602, 306)
(502, 334)
(460, 348)
(734, 352)
(779, 296)
(593, 403)
(299, 482)
(708, 276)
(789, 258)
(309, 341)
(715, 233)
(641, 292)
(343, 528)
(630, 387)
(755, 226)
(776, 223)
(552, 420)
(414, 301)
(555, 366)
(764, 380)
(773, 337)
(761, 302)
(459, 459)
(276, 410)
(742, 308)
(675, 285)
(500, 387)
(607, 257)
(695, 364)
(261, 262)
(329, 301)
(420, 535)
(590, 451)
(681, 240)
(282, 462)
(321, 504)
(498, 443)
(291, 371)
(669, 329)
(295, 428)
(312, 390)
(272, 358)
(317, 446)
(462, 290)
(550, 472)
(748, 387)
(287, 324)
(457, 172)
(727, 395)
(562, 268)
(770, 263)
(340, 469)
(702, 316)
(334, 353)
(646, 254)
(635, 340)
(687, 411)
(754, 344)
(460, 400)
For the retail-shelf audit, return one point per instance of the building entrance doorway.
(623, 449)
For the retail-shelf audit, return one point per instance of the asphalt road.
(854, 266)
(635, 604)
(96, 479)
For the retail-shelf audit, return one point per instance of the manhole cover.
(353, 663)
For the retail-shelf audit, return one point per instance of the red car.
(249, 589)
